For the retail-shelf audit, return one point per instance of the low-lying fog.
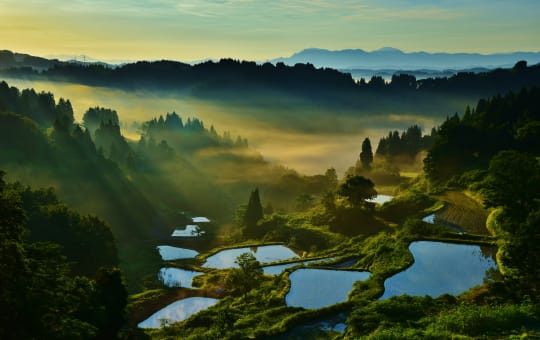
(294, 133)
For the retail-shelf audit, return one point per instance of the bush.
(405, 206)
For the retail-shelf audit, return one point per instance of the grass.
(462, 210)
(446, 317)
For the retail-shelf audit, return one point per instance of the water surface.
(189, 231)
(177, 311)
(168, 253)
(176, 277)
(316, 288)
(200, 219)
(429, 219)
(264, 254)
(440, 268)
(381, 199)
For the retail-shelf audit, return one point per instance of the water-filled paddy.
(264, 254)
(317, 288)
(190, 231)
(200, 219)
(177, 311)
(381, 199)
(168, 253)
(176, 277)
(440, 268)
(429, 219)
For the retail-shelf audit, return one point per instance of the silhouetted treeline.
(9, 59)
(186, 137)
(228, 76)
(95, 116)
(499, 123)
(409, 143)
(40, 107)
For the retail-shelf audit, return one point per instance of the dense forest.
(59, 277)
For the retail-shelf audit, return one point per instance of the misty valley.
(240, 200)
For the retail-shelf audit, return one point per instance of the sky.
(193, 30)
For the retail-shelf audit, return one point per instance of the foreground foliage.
(39, 293)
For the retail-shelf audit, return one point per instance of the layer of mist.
(292, 132)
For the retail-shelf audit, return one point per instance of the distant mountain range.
(393, 59)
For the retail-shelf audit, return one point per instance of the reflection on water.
(440, 268)
(169, 253)
(176, 277)
(190, 231)
(200, 220)
(317, 288)
(429, 219)
(381, 199)
(264, 254)
(177, 311)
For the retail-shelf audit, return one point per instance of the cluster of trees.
(86, 240)
(94, 117)
(409, 143)
(357, 190)
(469, 142)
(63, 154)
(40, 292)
(495, 81)
(247, 276)
(189, 136)
(381, 169)
(40, 107)
(511, 184)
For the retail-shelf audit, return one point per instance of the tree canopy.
(247, 276)
(41, 295)
(496, 124)
(512, 185)
(357, 189)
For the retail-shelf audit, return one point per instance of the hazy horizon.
(255, 30)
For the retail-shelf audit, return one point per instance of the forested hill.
(229, 77)
(10, 59)
(467, 143)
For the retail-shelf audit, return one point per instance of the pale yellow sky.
(259, 30)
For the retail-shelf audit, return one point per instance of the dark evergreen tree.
(366, 156)
(254, 210)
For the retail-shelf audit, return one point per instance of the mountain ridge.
(393, 58)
